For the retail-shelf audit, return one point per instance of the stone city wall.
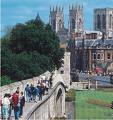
(48, 108)
(11, 88)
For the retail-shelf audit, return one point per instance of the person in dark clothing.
(28, 93)
(42, 88)
(33, 92)
(21, 104)
(51, 81)
(40, 92)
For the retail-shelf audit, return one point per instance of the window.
(54, 25)
(109, 56)
(98, 56)
(60, 24)
(94, 56)
(102, 56)
(73, 24)
(98, 22)
(110, 21)
(108, 46)
(103, 21)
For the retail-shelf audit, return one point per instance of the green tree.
(29, 50)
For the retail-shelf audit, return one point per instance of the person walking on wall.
(27, 93)
(5, 107)
(21, 104)
(15, 101)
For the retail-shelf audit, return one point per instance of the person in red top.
(15, 101)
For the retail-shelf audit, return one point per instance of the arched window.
(110, 21)
(60, 24)
(54, 25)
(103, 21)
(98, 22)
(73, 24)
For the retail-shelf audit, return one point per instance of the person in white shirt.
(5, 107)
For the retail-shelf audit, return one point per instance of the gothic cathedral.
(56, 18)
(76, 20)
(75, 24)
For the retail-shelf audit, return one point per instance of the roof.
(89, 32)
(95, 43)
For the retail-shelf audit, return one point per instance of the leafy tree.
(29, 50)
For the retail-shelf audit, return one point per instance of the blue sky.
(19, 11)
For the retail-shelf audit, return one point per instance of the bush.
(70, 96)
(6, 80)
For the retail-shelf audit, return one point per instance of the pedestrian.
(0, 100)
(0, 106)
(33, 92)
(15, 101)
(37, 91)
(10, 106)
(40, 92)
(18, 89)
(21, 104)
(64, 116)
(46, 86)
(112, 104)
(5, 107)
(51, 81)
(43, 88)
(27, 93)
(69, 116)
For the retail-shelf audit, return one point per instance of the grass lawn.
(85, 110)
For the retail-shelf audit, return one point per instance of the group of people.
(16, 101)
(34, 93)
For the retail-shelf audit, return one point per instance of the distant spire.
(38, 17)
(53, 8)
(72, 7)
(50, 8)
(69, 7)
(82, 6)
(56, 8)
(59, 8)
(79, 7)
(62, 8)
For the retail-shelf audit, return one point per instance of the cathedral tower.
(75, 19)
(103, 21)
(56, 18)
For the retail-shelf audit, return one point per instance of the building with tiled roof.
(86, 54)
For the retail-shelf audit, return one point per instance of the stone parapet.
(11, 88)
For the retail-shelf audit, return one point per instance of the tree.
(31, 49)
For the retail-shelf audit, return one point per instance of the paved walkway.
(30, 105)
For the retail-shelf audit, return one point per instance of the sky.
(20, 11)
